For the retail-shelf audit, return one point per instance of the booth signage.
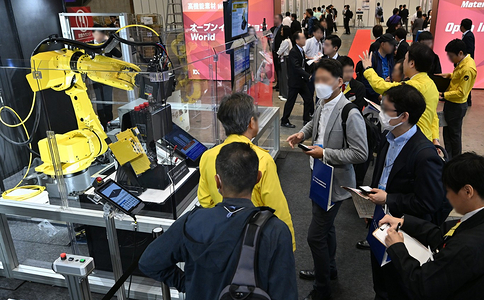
(81, 21)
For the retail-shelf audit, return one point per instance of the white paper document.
(363, 205)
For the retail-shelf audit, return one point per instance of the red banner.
(450, 13)
(83, 35)
(204, 30)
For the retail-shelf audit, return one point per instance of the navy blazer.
(296, 72)
(414, 186)
(470, 42)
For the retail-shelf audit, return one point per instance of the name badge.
(352, 98)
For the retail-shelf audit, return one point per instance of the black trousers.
(334, 26)
(104, 111)
(387, 282)
(277, 64)
(347, 25)
(454, 114)
(322, 241)
(291, 100)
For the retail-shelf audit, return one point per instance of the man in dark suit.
(457, 270)
(276, 43)
(347, 16)
(295, 25)
(470, 41)
(104, 92)
(427, 39)
(402, 45)
(297, 81)
(408, 174)
(351, 88)
(404, 16)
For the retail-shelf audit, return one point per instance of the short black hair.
(294, 16)
(425, 36)
(319, 8)
(309, 11)
(323, 6)
(466, 23)
(405, 5)
(317, 27)
(235, 112)
(395, 11)
(377, 31)
(467, 168)
(455, 46)
(417, 8)
(378, 4)
(331, 65)
(401, 33)
(288, 14)
(295, 36)
(422, 56)
(286, 32)
(99, 28)
(346, 61)
(419, 14)
(335, 40)
(408, 99)
(238, 167)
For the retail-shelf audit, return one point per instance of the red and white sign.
(81, 21)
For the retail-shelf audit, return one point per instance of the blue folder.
(377, 248)
(322, 184)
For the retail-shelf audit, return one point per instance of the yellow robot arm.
(62, 70)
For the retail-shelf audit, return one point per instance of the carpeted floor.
(354, 272)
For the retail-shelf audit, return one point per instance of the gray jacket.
(338, 153)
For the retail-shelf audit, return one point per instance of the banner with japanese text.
(447, 28)
(204, 30)
(81, 21)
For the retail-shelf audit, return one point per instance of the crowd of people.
(412, 184)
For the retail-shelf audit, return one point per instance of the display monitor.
(185, 144)
(120, 197)
(239, 10)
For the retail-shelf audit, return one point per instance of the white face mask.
(385, 121)
(323, 90)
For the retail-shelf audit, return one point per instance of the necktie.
(343, 87)
(452, 230)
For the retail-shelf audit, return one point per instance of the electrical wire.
(138, 25)
(38, 189)
(22, 122)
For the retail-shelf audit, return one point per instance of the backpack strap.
(245, 274)
(344, 118)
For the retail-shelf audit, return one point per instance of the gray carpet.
(354, 270)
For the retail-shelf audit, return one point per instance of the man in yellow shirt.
(418, 61)
(461, 82)
(238, 116)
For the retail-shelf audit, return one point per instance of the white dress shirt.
(287, 21)
(468, 215)
(465, 33)
(323, 122)
(313, 47)
(285, 47)
(414, 16)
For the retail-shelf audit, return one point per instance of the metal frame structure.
(12, 269)
(68, 32)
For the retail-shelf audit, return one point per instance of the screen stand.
(113, 244)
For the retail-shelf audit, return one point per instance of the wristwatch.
(369, 67)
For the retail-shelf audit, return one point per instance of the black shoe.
(333, 275)
(363, 245)
(315, 295)
(307, 274)
(276, 87)
(288, 125)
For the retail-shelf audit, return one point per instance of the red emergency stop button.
(99, 179)
(63, 256)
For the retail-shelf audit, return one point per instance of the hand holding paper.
(393, 237)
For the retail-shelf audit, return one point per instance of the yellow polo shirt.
(267, 192)
(428, 122)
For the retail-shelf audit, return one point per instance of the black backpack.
(373, 134)
(244, 285)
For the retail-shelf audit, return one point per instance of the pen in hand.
(398, 226)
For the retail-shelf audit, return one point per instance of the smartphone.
(120, 197)
(304, 147)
